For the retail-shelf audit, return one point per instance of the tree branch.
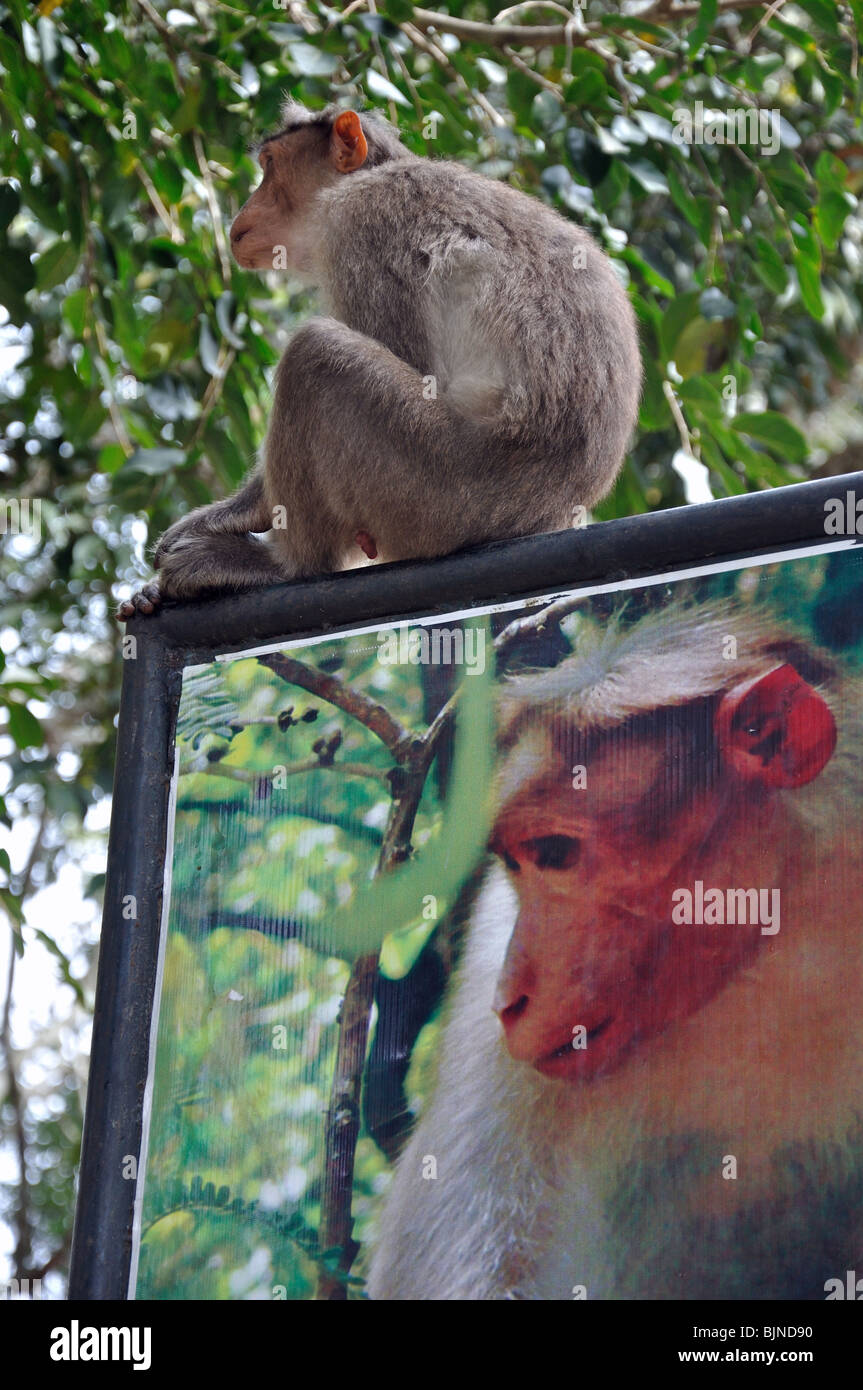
(545, 35)
(378, 720)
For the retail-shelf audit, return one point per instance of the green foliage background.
(134, 355)
(248, 1023)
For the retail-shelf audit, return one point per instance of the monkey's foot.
(146, 600)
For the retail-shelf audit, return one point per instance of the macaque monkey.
(649, 1079)
(477, 376)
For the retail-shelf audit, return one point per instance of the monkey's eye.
(508, 859)
(553, 851)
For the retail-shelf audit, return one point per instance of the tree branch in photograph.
(373, 715)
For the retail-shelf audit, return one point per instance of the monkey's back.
(514, 311)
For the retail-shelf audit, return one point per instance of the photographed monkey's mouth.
(582, 1060)
(592, 1033)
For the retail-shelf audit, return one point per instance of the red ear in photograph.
(776, 729)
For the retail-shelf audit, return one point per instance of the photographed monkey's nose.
(237, 233)
(509, 1014)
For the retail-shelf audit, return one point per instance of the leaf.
(56, 264)
(776, 431)
(679, 313)
(769, 266)
(830, 172)
(645, 173)
(622, 128)
(75, 310)
(698, 211)
(492, 72)
(791, 188)
(30, 43)
(734, 484)
(809, 280)
(112, 457)
(652, 276)
(187, 115)
(168, 179)
(590, 89)
(399, 10)
(25, 727)
(311, 62)
(65, 965)
(586, 156)
(703, 345)
(382, 87)
(703, 24)
(657, 127)
(391, 901)
(612, 187)
(208, 349)
(10, 204)
(823, 12)
(15, 909)
(701, 393)
(831, 215)
(17, 275)
(834, 90)
(225, 306)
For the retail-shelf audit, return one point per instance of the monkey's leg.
(207, 564)
(357, 445)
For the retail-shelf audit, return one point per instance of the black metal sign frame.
(751, 526)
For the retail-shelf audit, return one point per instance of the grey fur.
(477, 376)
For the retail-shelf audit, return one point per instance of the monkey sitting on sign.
(477, 376)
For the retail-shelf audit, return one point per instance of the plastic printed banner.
(517, 953)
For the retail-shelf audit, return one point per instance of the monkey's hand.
(146, 600)
(174, 558)
(177, 534)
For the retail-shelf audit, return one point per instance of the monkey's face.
(600, 961)
(274, 229)
(595, 965)
(268, 231)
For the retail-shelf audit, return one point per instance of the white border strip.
(154, 1029)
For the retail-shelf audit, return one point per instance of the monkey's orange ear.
(348, 148)
(775, 729)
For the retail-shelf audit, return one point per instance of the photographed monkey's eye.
(504, 855)
(554, 851)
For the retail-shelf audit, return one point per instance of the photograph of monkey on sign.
(615, 1045)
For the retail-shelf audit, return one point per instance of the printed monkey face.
(605, 954)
